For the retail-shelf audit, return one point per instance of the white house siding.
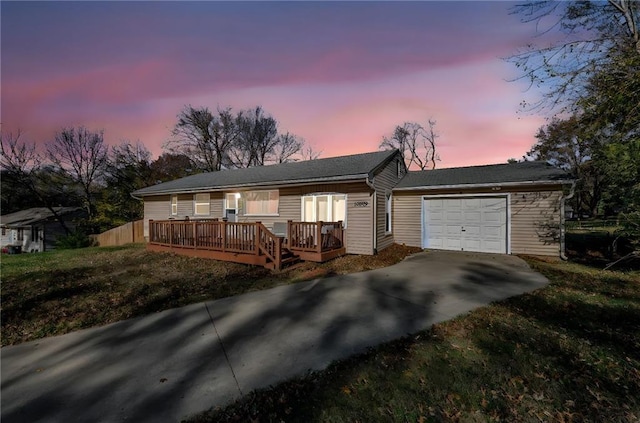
(534, 215)
(384, 181)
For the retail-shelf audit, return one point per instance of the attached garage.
(465, 223)
(505, 209)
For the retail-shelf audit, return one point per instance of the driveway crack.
(224, 351)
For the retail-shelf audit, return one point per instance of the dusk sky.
(340, 75)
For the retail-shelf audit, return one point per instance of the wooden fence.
(132, 232)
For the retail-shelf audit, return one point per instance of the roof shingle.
(489, 174)
(330, 169)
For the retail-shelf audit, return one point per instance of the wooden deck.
(249, 243)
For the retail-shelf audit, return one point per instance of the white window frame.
(201, 202)
(388, 209)
(330, 208)
(174, 205)
(277, 213)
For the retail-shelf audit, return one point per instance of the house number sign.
(360, 204)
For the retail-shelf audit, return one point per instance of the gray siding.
(534, 215)
(384, 181)
(535, 223)
(358, 234)
(157, 207)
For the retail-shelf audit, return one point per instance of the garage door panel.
(472, 216)
(453, 215)
(452, 244)
(472, 231)
(453, 230)
(469, 224)
(493, 232)
(493, 216)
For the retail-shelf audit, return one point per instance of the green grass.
(57, 292)
(567, 353)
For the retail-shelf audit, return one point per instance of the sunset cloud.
(341, 75)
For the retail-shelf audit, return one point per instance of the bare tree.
(308, 153)
(416, 144)
(82, 155)
(22, 164)
(191, 136)
(595, 33)
(287, 146)
(257, 139)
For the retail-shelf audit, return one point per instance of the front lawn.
(52, 293)
(567, 353)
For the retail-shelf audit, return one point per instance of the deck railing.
(314, 236)
(247, 238)
(215, 235)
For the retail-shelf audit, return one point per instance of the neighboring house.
(36, 229)
(509, 208)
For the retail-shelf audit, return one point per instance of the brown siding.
(534, 215)
(384, 181)
(407, 215)
(535, 223)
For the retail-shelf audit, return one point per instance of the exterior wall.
(535, 223)
(407, 218)
(359, 224)
(157, 207)
(534, 215)
(384, 181)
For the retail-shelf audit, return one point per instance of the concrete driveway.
(164, 367)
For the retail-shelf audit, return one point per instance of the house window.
(261, 202)
(20, 234)
(387, 212)
(174, 205)
(202, 204)
(324, 207)
(4, 231)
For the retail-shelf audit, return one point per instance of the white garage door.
(466, 224)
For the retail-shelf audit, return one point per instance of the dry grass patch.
(567, 353)
(58, 292)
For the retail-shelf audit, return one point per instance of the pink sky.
(340, 75)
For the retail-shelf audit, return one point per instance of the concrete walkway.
(167, 366)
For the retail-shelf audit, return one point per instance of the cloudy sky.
(339, 74)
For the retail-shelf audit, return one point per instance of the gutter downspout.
(563, 199)
(370, 182)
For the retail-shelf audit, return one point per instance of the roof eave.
(274, 184)
(484, 185)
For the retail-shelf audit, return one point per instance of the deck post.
(224, 235)
(289, 224)
(319, 236)
(151, 230)
(278, 253)
(256, 237)
(171, 234)
(195, 235)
